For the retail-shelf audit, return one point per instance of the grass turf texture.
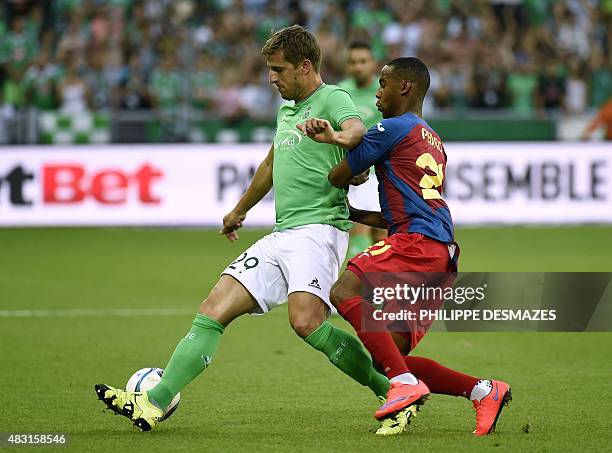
(267, 391)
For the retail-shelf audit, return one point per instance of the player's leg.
(307, 315)
(310, 259)
(398, 253)
(247, 285)
(308, 318)
(405, 389)
(227, 300)
(487, 396)
(439, 379)
(193, 354)
(346, 296)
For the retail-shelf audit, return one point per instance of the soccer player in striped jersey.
(410, 161)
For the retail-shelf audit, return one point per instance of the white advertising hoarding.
(490, 182)
(529, 183)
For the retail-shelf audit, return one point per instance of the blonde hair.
(297, 45)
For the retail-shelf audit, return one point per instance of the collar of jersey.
(310, 95)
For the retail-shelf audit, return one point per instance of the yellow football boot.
(133, 405)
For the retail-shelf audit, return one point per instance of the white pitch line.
(75, 313)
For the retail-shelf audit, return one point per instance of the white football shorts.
(365, 196)
(305, 258)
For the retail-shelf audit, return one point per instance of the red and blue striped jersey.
(410, 163)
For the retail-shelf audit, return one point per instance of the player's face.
(389, 94)
(286, 77)
(361, 65)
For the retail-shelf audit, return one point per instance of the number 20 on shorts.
(246, 262)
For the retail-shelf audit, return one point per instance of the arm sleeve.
(376, 145)
(340, 107)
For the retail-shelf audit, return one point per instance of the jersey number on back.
(430, 183)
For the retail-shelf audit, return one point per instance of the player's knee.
(211, 308)
(346, 287)
(305, 319)
(304, 324)
(227, 300)
(306, 312)
(217, 307)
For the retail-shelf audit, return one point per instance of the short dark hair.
(413, 69)
(360, 45)
(297, 45)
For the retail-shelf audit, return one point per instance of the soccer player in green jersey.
(362, 83)
(297, 262)
(362, 86)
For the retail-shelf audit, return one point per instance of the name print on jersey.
(429, 138)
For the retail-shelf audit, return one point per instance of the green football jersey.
(302, 193)
(365, 100)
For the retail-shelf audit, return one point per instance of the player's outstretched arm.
(259, 187)
(371, 218)
(350, 135)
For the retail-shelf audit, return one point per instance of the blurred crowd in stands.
(529, 57)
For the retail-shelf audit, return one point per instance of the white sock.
(480, 390)
(405, 378)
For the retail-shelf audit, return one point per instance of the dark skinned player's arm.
(340, 175)
(370, 218)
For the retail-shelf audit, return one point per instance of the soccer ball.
(146, 379)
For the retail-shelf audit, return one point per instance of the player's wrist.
(239, 211)
(336, 138)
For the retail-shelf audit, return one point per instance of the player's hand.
(359, 179)
(232, 222)
(319, 130)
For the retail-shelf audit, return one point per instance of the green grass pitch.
(266, 390)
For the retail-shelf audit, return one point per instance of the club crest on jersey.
(306, 113)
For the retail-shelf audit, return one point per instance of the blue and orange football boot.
(401, 396)
(489, 408)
